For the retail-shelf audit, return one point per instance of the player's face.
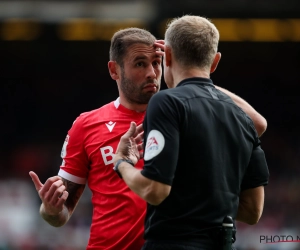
(141, 74)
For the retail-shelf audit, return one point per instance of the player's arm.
(59, 198)
(259, 121)
(251, 205)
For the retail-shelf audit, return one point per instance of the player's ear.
(215, 62)
(113, 70)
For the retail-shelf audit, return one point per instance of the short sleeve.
(75, 162)
(257, 172)
(161, 131)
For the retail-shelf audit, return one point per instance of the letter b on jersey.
(107, 154)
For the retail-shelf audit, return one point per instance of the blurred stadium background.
(53, 66)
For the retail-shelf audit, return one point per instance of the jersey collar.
(196, 80)
(121, 108)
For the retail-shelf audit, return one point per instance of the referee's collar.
(196, 80)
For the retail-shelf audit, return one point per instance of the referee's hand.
(131, 144)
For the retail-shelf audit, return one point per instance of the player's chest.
(102, 142)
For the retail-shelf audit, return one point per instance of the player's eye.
(140, 64)
(157, 63)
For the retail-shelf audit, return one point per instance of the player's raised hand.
(53, 193)
(160, 46)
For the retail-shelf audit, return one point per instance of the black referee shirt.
(203, 145)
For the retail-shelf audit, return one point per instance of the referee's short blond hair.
(193, 40)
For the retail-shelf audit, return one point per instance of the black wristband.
(116, 167)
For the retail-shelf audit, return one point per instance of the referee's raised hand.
(131, 144)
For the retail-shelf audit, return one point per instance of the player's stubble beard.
(133, 92)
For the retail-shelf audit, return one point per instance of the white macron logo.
(110, 125)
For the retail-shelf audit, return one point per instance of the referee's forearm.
(134, 179)
(149, 190)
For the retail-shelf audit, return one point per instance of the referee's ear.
(168, 56)
(215, 62)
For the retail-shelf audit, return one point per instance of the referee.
(202, 156)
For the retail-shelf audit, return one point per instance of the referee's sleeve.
(161, 124)
(257, 172)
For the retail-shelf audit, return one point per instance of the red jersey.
(118, 213)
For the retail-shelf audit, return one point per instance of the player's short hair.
(193, 41)
(124, 38)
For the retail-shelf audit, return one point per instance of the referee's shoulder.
(167, 94)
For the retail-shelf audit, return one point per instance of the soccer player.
(118, 213)
(202, 156)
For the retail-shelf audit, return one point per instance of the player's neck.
(132, 106)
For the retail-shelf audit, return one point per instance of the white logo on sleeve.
(155, 144)
(64, 149)
(110, 125)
